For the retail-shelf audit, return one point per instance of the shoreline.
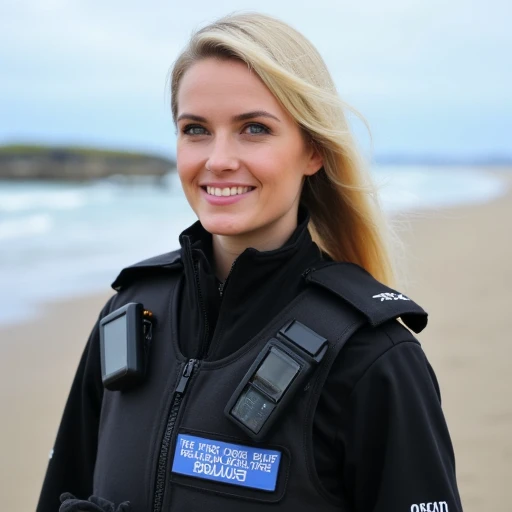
(457, 266)
(35, 221)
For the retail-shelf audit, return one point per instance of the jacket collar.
(215, 321)
(198, 240)
(169, 260)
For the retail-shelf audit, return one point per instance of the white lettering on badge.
(390, 296)
(433, 506)
(220, 471)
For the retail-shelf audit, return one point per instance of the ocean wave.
(108, 225)
(31, 225)
(411, 188)
(14, 202)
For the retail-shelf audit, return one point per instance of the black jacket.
(379, 435)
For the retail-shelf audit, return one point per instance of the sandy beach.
(458, 267)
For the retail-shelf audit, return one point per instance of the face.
(241, 157)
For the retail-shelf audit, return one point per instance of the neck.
(226, 249)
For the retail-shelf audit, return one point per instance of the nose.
(223, 156)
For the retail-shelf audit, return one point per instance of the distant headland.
(68, 163)
(73, 163)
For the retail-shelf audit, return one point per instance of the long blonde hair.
(346, 220)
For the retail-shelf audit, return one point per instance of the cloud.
(116, 55)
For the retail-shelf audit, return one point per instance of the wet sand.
(459, 267)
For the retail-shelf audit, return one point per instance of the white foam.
(29, 226)
(14, 201)
(412, 188)
(60, 240)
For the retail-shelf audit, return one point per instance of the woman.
(268, 164)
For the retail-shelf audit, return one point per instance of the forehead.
(213, 86)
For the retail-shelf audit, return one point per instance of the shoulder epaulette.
(376, 301)
(162, 261)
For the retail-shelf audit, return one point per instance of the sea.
(63, 240)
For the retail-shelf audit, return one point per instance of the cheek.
(286, 158)
(271, 165)
(282, 172)
(187, 164)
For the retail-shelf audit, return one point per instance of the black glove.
(94, 504)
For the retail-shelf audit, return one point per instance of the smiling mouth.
(227, 191)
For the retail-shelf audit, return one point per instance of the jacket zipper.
(205, 314)
(222, 286)
(166, 440)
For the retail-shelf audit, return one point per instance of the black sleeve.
(399, 455)
(71, 466)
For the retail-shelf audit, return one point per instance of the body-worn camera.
(125, 335)
(279, 372)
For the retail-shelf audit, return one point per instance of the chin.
(224, 227)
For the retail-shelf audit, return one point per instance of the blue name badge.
(234, 464)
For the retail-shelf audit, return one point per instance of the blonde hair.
(346, 220)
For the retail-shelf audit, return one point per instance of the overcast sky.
(430, 76)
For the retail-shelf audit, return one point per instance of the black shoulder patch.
(376, 301)
(133, 272)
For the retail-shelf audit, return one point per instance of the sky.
(430, 77)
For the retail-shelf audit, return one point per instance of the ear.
(316, 160)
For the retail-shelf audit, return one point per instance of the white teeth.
(228, 191)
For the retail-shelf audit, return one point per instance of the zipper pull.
(148, 330)
(185, 376)
(308, 271)
(148, 335)
(221, 288)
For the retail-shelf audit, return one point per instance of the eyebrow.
(238, 118)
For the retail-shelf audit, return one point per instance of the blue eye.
(257, 129)
(194, 129)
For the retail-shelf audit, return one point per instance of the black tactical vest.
(176, 418)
